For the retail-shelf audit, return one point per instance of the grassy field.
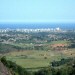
(31, 44)
(36, 59)
(60, 42)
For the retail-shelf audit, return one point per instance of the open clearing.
(38, 58)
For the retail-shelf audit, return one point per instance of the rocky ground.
(3, 69)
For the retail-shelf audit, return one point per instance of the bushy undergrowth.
(67, 69)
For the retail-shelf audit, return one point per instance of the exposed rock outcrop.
(3, 69)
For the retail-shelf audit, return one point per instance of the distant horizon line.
(37, 22)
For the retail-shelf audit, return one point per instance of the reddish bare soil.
(58, 45)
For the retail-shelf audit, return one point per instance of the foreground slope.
(3, 69)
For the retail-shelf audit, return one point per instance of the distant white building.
(58, 29)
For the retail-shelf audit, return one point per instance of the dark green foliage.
(61, 62)
(5, 48)
(72, 45)
(67, 69)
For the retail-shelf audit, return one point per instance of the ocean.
(38, 25)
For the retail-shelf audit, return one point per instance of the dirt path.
(3, 69)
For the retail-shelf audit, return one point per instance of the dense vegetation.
(13, 40)
(50, 53)
(67, 69)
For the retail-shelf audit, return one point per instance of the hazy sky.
(37, 10)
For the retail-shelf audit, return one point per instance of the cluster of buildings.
(32, 30)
